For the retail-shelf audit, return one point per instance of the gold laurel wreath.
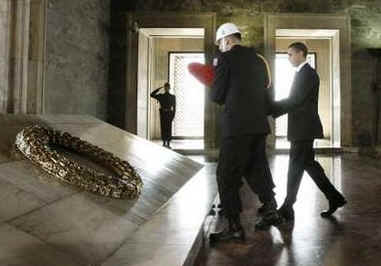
(34, 142)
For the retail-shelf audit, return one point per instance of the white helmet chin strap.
(223, 45)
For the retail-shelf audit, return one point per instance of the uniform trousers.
(243, 156)
(302, 157)
(166, 118)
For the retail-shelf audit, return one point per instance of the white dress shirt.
(298, 68)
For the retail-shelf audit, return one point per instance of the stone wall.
(77, 54)
(4, 55)
(249, 16)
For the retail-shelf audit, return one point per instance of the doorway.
(142, 28)
(322, 56)
(336, 30)
(163, 56)
(284, 76)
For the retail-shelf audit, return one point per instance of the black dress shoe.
(333, 206)
(261, 209)
(226, 235)
(287, 213)
(267, 207)
(271, 218)
(221, 212)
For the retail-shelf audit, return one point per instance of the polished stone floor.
(44, 222)
(283, 143)
(184, 144)
(352, 237)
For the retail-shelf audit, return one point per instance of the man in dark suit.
(167, 112)
(304, 126)
(240, 84)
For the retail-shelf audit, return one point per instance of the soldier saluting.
(167, 112)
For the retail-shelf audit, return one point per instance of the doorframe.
(135, 20)
(22, 56)
(272, 22)
(333, 38)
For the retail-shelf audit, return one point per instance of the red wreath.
(203, 73)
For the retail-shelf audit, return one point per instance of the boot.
(334, 204)
(267, 206)
(234, 231)
(270, 218)
(287, 212)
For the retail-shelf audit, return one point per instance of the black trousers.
(166, 118)
(243, 156)
(302, 157)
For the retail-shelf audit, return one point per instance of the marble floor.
(196, 146)
(184, 144)
(283, 143)
(352, 237)
(44, 222)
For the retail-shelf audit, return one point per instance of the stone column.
(18, 55)
(4, 56)
(36, 63)
(22, 55)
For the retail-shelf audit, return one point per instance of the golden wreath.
(34, 143)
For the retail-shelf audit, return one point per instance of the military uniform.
(240, 84)
(167, 113)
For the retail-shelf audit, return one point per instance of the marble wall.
(4, 44)
(77, 54)
(22, 53)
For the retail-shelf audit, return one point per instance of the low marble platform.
(45, 222)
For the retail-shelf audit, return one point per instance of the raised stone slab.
(82, 225)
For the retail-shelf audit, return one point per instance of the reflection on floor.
(198, 144)
(43, 222)
(283, 143)
(184, 144)
(351, 237)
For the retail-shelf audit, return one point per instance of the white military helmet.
(226, 29)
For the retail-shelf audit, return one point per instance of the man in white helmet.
(240, 83)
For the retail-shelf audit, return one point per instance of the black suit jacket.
(239, 84)
(302, 106)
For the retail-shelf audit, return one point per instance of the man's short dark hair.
(235, 36)
(300, 47)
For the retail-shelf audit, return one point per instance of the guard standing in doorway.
(167, 112)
